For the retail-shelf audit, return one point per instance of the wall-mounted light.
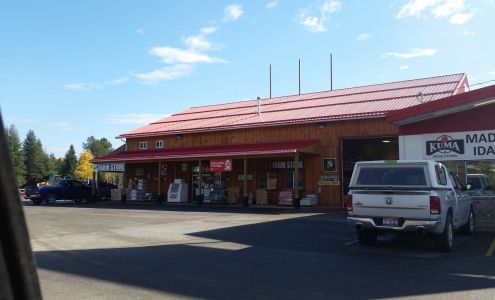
(386, 141)
(321, 125)
(178, 136)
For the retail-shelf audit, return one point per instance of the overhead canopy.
(256, 149)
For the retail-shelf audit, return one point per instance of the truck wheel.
(37, 201)
(50, 199)
(468, 228)
(445, 239)
(367, 237)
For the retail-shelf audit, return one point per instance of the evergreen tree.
(16, 154)
(50, 164)
(97, 147)
(84, 168)
(70, 162)
(33, 157)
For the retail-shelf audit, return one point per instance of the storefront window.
(272, 181)
(261, 180)
(288, 180)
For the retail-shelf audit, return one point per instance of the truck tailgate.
(386, 203)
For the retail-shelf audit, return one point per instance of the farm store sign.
(471, 145)
(116, 167)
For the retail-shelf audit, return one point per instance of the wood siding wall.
(330, 136)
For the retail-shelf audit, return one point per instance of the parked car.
(479, 185)
(67, 189)
(408, 196)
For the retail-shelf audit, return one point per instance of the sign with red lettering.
(221, 165)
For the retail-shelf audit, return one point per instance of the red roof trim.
(210, 151)
(443, 104)
(347, 117)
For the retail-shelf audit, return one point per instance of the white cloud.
(412, 53)
(134, 119)
(467, 32)
(363, 37)
(232, 12)
(62, 126)
(166, 73)
(461, 18)
(456, 10)
(315, 17)
(140, 30)
(200, 41)
(271, 5)
(117, 81)
(492, 72)
(171, 55)
(19, 120)
(87, 87)
(404, 67)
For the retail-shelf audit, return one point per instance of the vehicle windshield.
(386, 176)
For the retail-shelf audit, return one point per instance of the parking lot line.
(491, 249)
(351, 242)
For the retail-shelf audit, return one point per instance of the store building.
(250, 148)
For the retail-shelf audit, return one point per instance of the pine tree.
(84, 168)
(50, 164)
(33, 157)
(98, 147)
(70, 162)
(16, 154)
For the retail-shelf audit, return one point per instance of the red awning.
(209, 151)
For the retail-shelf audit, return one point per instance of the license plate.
(394, 222)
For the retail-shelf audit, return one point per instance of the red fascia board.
(211, 151)
(448, 102)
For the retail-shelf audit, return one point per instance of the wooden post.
(159, 178)
(199, 196)
(93, 185)
(245, 192)
(297, 203)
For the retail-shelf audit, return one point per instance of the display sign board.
(329, 180)
(113, 167)
(449, 146)
(471, 145)
(286, 164)
(221, 165)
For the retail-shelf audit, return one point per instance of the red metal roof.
(209, 151)
(351, 103)
(449, 105)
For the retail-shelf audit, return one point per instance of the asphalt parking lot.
(105, 251)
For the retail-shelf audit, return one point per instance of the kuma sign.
(469, 145)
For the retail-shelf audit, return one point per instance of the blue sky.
(71, 69)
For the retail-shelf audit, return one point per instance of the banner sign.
(113, 167)
(471, 145)
(221, 165)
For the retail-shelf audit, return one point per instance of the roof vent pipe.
(259, 106)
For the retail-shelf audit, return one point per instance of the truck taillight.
(36, 189)
(349, 202)
(435, 207)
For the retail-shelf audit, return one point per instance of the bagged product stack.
(261, 196)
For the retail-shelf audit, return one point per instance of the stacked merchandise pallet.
(136, 189)
(286, 198)
(261, 196)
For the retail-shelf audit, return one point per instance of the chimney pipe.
(259, 106)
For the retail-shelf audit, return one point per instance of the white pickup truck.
(408, 196)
